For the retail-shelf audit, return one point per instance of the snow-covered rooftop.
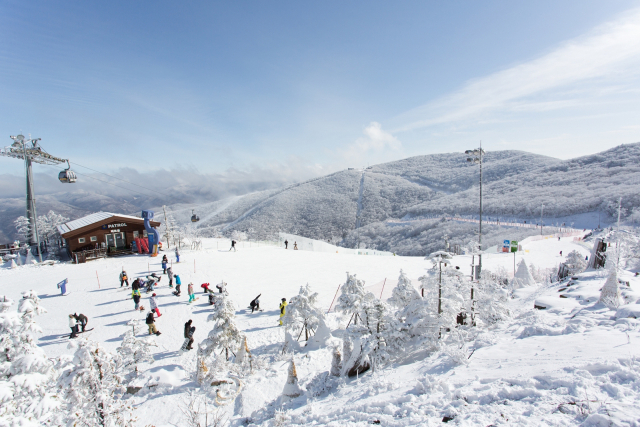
(90, 219)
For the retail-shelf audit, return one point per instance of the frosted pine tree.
(23, 227)
(575, 262)
(416, 315)
(135, 350)
(27, 376)
(610, 293)
(93, 387)
(404, 292)
(523, 277)
(291, 388)
(225, 335)
(351, 297)
(303, 313)
(492, 301)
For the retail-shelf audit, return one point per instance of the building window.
(94, 238)
(135, 234)
(81, 240)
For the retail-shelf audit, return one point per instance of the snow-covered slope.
(573, 363)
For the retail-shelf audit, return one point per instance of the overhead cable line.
(115, 177)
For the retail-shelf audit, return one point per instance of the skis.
(81, 332)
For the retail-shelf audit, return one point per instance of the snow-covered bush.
(225, 335)
(93, 387)
(523, 277)
(575, 263)
(351, 297)
(417, 315)
(27, 376)
(491, 302)
(303, 313)
(610, 293)
(135, 350)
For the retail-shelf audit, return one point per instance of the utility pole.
(618, 234)
(476, 157)
(541, 212)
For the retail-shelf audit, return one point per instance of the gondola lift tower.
(30, 151)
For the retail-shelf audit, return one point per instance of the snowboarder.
(205, 288)
(286, 244)
(255, 304)
(152, 281)
(151, 323)
(123, 278)
(73, 324)
(177, 291)
(233, 246)
(136, 284)
(192, 296)
(283, 306)
(82, 320)
(153, 305)
(177, 255)
(560, 253)
(170, 276)
(164, 265)
(295, 246)
(222, 287)
(135, 294)
(188, 334)
(212, 299)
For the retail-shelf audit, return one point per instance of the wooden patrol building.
(102, 233)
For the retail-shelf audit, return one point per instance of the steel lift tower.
(30, 151)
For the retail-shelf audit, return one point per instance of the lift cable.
(115, 177)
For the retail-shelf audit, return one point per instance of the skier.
(123, 278)
(135, 294)
(73, 324)
(192, 296)
(164, 264)
(170, 275)
(151, 323)
(188, 333)
(82, 320)
(177, 255)
(295, 246)
(255, 304)
(153, 305)
(222, 287)
(286, 244)
(283, 306)
(233, 246)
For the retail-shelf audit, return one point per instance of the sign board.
(514, 246)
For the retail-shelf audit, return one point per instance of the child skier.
(153, 305)
(151, 323)
(73, 324)
(188, 333)
(283, 306)
(123, 278)
(170, 276)
(192, 296)
(135, 294)
(255, 304)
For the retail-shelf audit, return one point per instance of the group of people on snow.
(77, 321)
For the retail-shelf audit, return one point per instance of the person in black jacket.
(255, 304)
(151, 323)
(188, 333)
(82, 320)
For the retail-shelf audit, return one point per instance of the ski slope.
(571, 364)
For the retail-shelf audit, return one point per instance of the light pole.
(475, 156)
(541, 212)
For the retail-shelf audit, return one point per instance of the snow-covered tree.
(135, 350)
(523, 277)
(351, 297)
(23, 227)
(244, 355)
(575, 262)
(48, 225)
(93, 387)
(491, 301)
(404, 292)
(27, 376)
(291, 388)
(225, 335)
(303, 314)
(418, 315)
(610, 292)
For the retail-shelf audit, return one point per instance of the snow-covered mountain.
(401, 202)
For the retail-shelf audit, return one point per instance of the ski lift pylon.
(194, 217)
(67, 176)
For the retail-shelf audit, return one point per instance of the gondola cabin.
(194, 217)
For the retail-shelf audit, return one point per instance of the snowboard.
(184, 345)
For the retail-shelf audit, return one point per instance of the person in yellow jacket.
(283, 306)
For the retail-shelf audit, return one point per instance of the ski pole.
(98, 279)
(385, 282)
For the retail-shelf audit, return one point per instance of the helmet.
(153, 295)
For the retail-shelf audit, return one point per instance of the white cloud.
(375, 142)
(608, 56)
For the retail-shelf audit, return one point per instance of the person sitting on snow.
(255, 304)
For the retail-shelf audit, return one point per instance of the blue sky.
(301, 89)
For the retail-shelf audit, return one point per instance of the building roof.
(94, 218)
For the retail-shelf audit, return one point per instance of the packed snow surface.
(574, 363)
